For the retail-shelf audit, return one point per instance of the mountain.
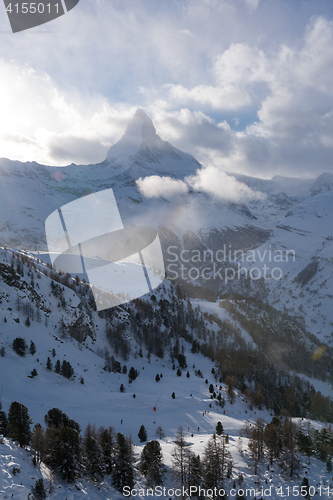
(322, 184)
(196, 230)
(142, 152)
(29, 192)
(238, 338)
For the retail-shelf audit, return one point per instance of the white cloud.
(218, 184)
(210, 180)
(241, 64)
(41, 122)
(252, 4)
(228, 97)
(156, 187)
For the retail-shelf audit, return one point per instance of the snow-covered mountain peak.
(145, 153)
(140, 128)
(322, 184)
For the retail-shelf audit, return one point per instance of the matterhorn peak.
(140, 127)
(145, 153)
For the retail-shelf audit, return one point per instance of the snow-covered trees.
(123, 472)
(63, 444)
(106, 441)
(70, 457)
(93, 454)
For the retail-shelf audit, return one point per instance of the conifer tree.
(32, 348)
(142, 434)
(151, 464)
(48, 364)
(219, 429)
(19, 422)
(3, 422)
(38, 490)
(19, 346)
(107, 443)
(123, 472)
(70, 458)
(94, 466)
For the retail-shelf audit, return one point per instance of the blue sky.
(243, 85)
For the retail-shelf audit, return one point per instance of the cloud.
(209, 180)
(239, 84)
(219, 185)
(156, 187)
(252, 4)
(47, 124)
(228, 97)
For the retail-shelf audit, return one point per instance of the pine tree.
(27, 321)
(132, 374)
(70, 458)
(151, 463)
(57, 367)
(179, 373)
(32, 348)
(157, 378)
(19, 346)
(38, 490)
(94, 465)
(195, 470)
(219, 429)
(122, 388)
(142, 434)
(67, 369)
(19, 424)
(173, 395)
(48, 364)
(123, 472)
(107, 444)
(3, 422)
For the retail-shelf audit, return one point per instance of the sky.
(243, 85)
